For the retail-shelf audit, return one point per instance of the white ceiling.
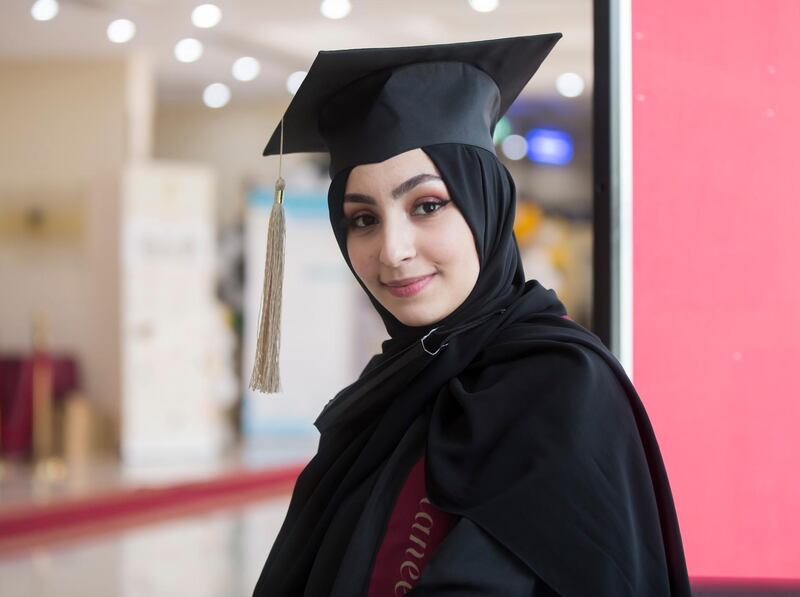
(285, 36)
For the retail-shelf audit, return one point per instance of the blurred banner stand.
(177, 350)
(319, 311)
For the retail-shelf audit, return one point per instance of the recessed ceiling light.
(335, 9)
(206, 16)
(121, 31)
(188, 50)
(484, 5)
(216, 95)
(294, 81)
(44, 10)
(246, 68)
(570, 84)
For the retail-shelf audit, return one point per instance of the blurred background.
(133, 209)
(653, 155)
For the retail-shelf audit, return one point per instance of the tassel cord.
(265, 376)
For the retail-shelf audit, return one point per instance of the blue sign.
(549, 146)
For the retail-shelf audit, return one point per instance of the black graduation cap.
(367, 105)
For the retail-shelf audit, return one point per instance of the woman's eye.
(423, 208)
(428, 207)
(361, 221)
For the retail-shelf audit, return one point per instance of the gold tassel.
(266, 368)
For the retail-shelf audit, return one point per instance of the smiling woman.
(407, 241)
(493, 447)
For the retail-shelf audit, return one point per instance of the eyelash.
(440, 203)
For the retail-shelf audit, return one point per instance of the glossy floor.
(219, 554)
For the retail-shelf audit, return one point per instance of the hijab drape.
(535, 432)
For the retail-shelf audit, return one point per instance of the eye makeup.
(352, 222)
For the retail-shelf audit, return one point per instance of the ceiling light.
(188, 50)
(246, 68)
(216, 95)
(121, 31)
(44, 10)
(294, 81)
(570, 84)
(484, 5)
(335, 9)
(206, 16)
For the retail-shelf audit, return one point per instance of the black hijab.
(535, 432)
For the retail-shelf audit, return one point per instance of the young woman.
(494, 446)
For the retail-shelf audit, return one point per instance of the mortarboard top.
(366, 105)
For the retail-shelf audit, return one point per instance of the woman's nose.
(397, 244)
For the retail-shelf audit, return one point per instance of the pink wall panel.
(716, 224)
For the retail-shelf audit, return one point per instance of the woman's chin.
(416, 317)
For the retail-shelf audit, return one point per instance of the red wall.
(716, 224)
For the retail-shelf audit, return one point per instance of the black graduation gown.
(532, 432)
(468, 561)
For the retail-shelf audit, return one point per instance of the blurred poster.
(176, 367)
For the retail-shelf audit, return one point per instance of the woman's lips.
(411, 288)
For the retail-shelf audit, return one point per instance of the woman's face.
(407, 240)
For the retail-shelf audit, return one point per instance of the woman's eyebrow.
(398, 192)
(406, 186)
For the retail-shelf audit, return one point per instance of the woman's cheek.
(446, 248)
(359, 258)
